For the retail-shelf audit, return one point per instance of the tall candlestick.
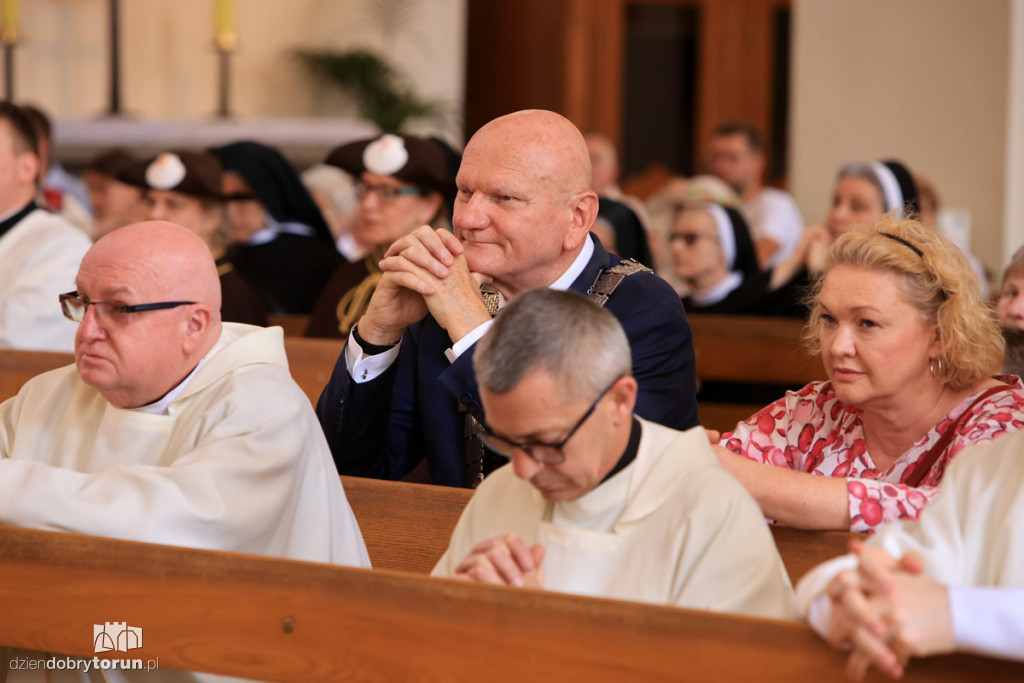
(225, 40)
(224, 33)
(10, 16)
(115, 58)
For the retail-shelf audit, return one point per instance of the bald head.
(135, 357)
(546, 142)
(172, 259)
(525, 206)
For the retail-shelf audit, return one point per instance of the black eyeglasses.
(74, 308)
(385, 193)
(544, 453)
(689, 238)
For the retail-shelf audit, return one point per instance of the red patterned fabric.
(810, 430)
(53, 199)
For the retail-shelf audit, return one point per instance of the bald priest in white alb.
(597, 501)
(171, 427)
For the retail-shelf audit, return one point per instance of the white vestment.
(238, 463)
(671, 528)
(39, 259)
(971, 540)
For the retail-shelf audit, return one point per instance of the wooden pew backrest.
(294, 325)
(311, 361)
(280, 620)
(406, 527)
(748, 349)
(18, 367)
(752, 349)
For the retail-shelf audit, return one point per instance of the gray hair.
(864, 171)
(576, 341)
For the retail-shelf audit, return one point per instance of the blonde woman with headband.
(909, 348)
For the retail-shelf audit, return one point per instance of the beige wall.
(925, 81)
(1013, 238)
(170, 68)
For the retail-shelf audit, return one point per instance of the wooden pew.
(281, 620)
(407, 526)
(310, 362)
(748, 349)
(18, 367)
(293, 324)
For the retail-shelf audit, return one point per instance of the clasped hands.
(425, 271)
(886, 611)
(810, 253)
(505, 561)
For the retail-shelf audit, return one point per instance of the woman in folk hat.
(184, 187)
(114, 203)
(400, 186)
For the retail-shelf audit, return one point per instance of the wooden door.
(592, 61)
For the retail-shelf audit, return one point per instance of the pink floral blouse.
(810, 430)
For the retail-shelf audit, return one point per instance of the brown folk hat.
(407, 158)
(193, 173)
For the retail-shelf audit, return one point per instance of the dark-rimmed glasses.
(544, 453)
(74, 308)
(385, 193)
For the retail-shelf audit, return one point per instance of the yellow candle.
(10, 15)
(224, 23)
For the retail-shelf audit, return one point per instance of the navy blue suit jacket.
(385, 427)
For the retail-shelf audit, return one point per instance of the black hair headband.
(903, 241)
(942, 292)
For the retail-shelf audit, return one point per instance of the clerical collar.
(15, 218)
(630, 454)
(159, 406)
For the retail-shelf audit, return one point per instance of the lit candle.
(224, 24)
(10, 14)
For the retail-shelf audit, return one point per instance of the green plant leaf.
(380, 93)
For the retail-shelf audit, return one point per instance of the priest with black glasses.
(595, 500)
